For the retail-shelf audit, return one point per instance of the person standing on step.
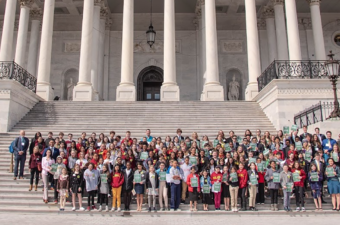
(299, 187)
(332, 174)
(34, 141)
(76, 185)
(216, 180)
(56, 175)
(104, 187)
(128, 185)
(46, 164)
(185, 167)
(193, 187)
(152, 185)
(242, 180)
(233, 188)
(316, 186)
(62, 187)
(175, 177)
(163, 189)
(20, 147)
(273, 185)
(286, 177)
(49, 138)
(35, 167)
(116, 184)
(139, 185)
(91, 176)
(252, 187)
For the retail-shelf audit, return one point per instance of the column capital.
(196, 23)
(268, 12)
(314, 2)
(26, 3)
(306, 22)
(261, 24)
(98, 2)
(108, 23)
(104, 12)
(36, 14)
(278, 2)
(198, 11)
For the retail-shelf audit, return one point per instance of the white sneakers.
(100, 209)
(119, 209)
(234, 210)
(106, 208)
(113, 209)
(73, 209)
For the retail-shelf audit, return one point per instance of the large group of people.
(226, 170)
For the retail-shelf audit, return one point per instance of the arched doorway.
(149, 84)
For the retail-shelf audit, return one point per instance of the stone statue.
(70, 87)
(234, 92)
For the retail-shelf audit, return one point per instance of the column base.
(83, 93)
(45, 91)
(170, 93)
(96, 96)
(214, 93)
(251, 91)
(126, 93)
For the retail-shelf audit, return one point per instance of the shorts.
(316, 193)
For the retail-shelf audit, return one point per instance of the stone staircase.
(162, 118)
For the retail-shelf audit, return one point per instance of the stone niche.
(70, 79)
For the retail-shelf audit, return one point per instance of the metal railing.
(287, 69)
(12, 71)
(314, 114)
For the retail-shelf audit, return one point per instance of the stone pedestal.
(45, 91)
(251, 91)
(16, 101)
(212, 93)
(126, 93)
(170, 93)
(83, 93)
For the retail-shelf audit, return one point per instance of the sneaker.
(297, 209)
(303, 209)
(81, 209)
(55, 201)
(73, 209)
(236, 209)
(154, 209)
(94, 207)
(100, 208)
(119, 209)
(262, 203)
(216, 209)
(113, 209)
(163, 209)
(88, 208)
(106, 208)
(172, 210)
(60, 209)
(178, 210)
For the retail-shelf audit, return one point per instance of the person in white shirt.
(175, 178)
(185, 167)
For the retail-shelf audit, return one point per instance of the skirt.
(139, 189)
(206, 199)
(225, 191)
(333, 187)
(193, 196)
(75, 189)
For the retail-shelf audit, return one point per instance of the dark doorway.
(149, 84)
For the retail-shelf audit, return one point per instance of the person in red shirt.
(242, 181)
(299, 186)
(64, 158)
(69, 142)
(277, 146)
(293, 150)
(94, 160)
(116, 184)
(102, 151)
(216, 179)
(193, 191)
(260, 194)
(127, 139)
(123, 151)
(290, 161)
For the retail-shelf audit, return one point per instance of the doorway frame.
(141, 76)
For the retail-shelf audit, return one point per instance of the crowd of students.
(180, 168)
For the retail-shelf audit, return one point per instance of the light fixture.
(150, 34)
(332, 67)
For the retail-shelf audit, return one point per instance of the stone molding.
(278, 2)
(314, 2)
(140, 46)
(26, 3)
(104, 13)
(232, 46)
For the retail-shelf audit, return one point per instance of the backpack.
(11, 150)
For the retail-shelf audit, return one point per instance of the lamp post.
(332, 67)
(150, 34)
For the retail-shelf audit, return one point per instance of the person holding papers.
(299, 177)
(333, 185)
(193, 187)
(273, 179)
(216, 179)
(139, 180)
(315, 180)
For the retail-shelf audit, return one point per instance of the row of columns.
(283, 44)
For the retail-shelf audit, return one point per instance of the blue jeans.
(175, 195)
(19, 159)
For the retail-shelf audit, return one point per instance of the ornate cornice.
(26, 3)
(98, 2)
(314, 2)
(278, 2)
(268, 12)
(104, 12)
(198, 10)
(36, 14)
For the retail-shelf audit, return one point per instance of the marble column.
(44, 88)
(20, 51)
(103, 15)
(36, 15)
(319, 42)
(212, 90)
(254, 63)
(169, 90)
(107, 58)
(84, 90)
(126, 91)
(271, 36)
(95, 49)
(293, 31)
(7, 31)
(281, 34)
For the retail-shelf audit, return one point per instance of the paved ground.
(94, 219)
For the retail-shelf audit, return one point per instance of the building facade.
(204, 49)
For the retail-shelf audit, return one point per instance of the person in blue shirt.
(327, 145)
(148, 136)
